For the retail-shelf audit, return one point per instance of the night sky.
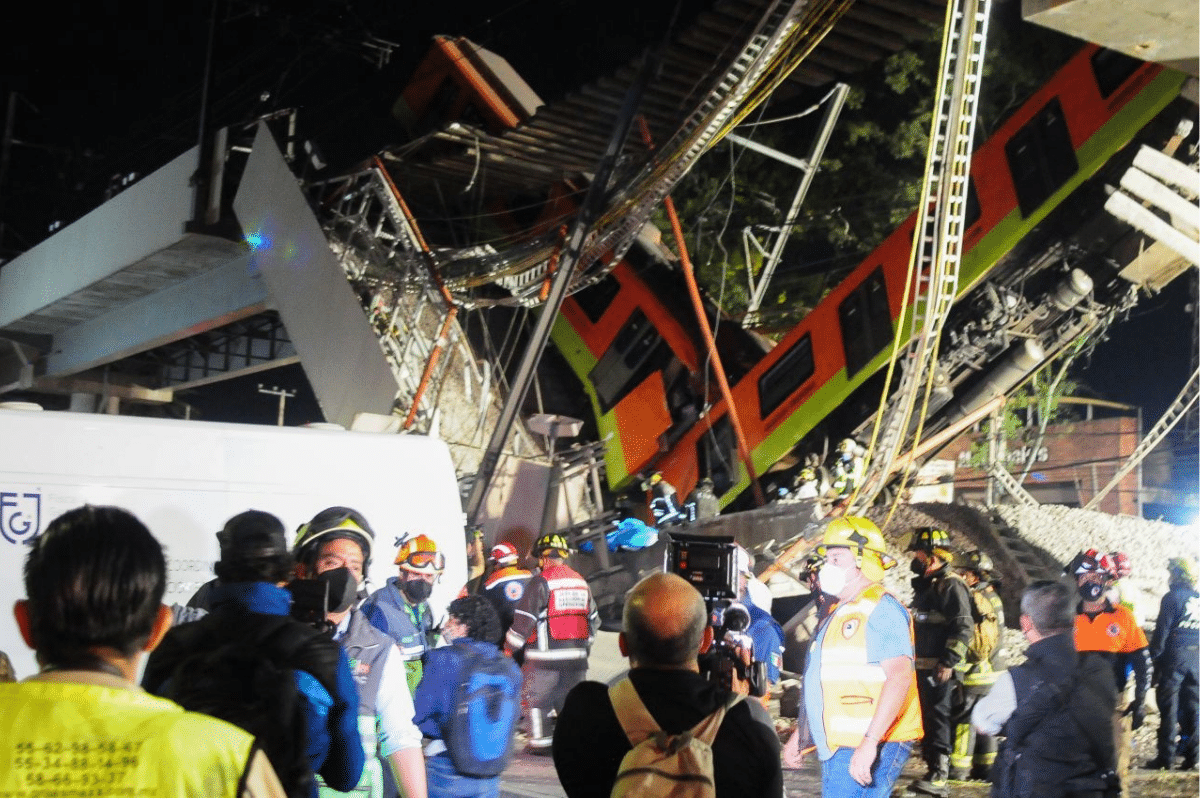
(107, 88)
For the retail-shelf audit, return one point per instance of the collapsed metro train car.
(635, 349)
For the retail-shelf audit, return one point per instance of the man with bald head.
(665, 628)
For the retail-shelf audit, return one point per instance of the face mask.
(832, 579)
(1091, 591)
(343, 588)
(917, 566)
(417, 589)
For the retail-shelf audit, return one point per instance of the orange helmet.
(420, 554)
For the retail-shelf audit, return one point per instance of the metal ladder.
(1170, 418)
(937, 244)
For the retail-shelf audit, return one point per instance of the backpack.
(985, 638)
(487, 702)
(661, 764)
(239, 681)
(1064, 745)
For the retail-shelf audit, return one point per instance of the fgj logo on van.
(20, 515)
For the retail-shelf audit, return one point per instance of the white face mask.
(831, 579)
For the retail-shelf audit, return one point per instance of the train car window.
(596, 299)
(785, 376)
(1111, 69)
(716, 455)
(637, 350)
(1040, 157)
(866, 320)
(973, 210)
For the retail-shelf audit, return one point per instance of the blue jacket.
(434, 698)
(768, 640)
(411, 627)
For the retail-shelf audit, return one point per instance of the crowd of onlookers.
(287, 676)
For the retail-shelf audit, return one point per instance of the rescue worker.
(1101, 626)
(847, 469)
(553, 627)
(860, 689)
(941, 610)
(703, 502)
(505, 584)
(337, 543)
(973, 753)
(1174, 650)
(664, 501)
(807, 486)
(401, 608)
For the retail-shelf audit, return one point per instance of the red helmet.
(503, 554)
(1116, 564)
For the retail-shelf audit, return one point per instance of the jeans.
(445, 782)
(835, 773)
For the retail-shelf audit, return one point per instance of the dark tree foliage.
(868, 181)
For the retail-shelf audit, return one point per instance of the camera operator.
(663, 633)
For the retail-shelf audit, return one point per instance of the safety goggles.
(425, 560)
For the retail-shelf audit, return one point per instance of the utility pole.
(283, 395)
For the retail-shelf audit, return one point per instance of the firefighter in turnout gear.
(943, 628)
(401, 608)
(973, 753)
(553, 627)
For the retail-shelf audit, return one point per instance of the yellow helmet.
(863, 539)
(552, 541)
(420, 554)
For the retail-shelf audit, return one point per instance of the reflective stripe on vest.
(133, 744)
(851, 685)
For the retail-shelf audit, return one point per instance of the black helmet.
(552, 541)
(928, 539)
(977, 561)
(335, 522)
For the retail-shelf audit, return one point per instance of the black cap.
(252, 535)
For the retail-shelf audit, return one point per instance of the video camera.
(313, 599)
(708, 563)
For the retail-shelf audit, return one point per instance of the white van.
(184, 479)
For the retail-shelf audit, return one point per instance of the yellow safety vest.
(850, 685)
(80, 740)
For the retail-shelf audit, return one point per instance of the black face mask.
(1091, 591)
(917, 566)
(343, 588)
(417, 589)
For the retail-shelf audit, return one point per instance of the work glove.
(1138, 713)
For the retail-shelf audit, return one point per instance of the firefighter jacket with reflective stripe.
(941, 611)
(556, 620)
(850, 685)
(80, 740)
(979, 676)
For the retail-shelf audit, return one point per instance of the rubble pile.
(1063, 532)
